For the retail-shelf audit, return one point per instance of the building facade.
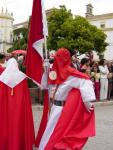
(6, 30)
(21, 25)
(105, 23)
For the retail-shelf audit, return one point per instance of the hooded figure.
(16, 121)
(71, 120)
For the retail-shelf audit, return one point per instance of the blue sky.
(22, 8)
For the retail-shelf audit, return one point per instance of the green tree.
(20, 39)
(74, 32)
(55, 21)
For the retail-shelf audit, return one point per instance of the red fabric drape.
(16, 121)
(74, 126)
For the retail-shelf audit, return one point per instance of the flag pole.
(47, 65)
(45, 46)
(45, 28)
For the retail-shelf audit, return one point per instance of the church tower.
(6, 30)
(89, 10)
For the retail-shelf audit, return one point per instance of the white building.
(6, 30)
(104, 22)
(20, 25)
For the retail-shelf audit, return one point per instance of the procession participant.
(2, 61)
(71, 120)
(16, 121)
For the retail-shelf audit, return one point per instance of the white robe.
(87, 93)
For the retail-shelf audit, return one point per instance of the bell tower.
(6, 30)
(89, 10)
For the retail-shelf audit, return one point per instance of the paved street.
(104, 128)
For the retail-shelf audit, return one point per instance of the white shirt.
(103, 72)
(85, 87)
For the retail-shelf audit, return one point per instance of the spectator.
(96, 75)
(110, 79)
(90, 55)
(103, 79)
(85, 66)
(75, 63)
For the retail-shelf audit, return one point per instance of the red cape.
(16, 121)
(74, 126)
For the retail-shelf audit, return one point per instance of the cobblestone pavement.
(104, 128)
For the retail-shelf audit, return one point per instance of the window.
(102, 25)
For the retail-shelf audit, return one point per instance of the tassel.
(12, 92)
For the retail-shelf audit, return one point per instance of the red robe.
(16, 120)
(74, 126)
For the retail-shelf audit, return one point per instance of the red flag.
(38, 29)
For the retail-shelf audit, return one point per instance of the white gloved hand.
(89, 106)
(46, 65)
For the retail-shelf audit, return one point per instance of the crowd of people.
(100, 72)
